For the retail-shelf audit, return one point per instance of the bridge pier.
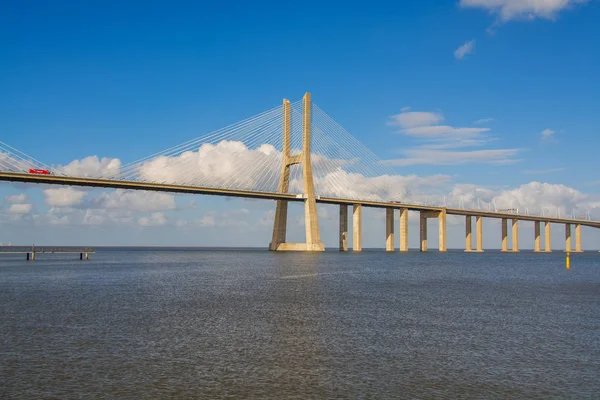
(504, 235)
(547, 237)
(442, 230)
(389, 229)
(423, 231)
(479, 239)
(537, 244)
(441, 216)
(468, 238)
(343, 227)
(578, 239)
(357, 228)
(515, 235)
(568, 238)
(403, 230)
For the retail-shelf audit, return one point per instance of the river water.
(254, 324)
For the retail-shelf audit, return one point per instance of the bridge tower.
(311, 220)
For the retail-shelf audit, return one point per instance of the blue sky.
(126, 80)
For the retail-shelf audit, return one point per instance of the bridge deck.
(162, 187)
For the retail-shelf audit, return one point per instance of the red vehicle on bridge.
(40, 171)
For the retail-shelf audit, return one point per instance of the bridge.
(293, 153)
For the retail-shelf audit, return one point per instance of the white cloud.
(548, 134)
(483, 121)
(134, 201)
(227, 164)
(64, 197)
(412, 119)
(91, 166)
(507, 10)
(464, 50)
(107, 217)
(348, 185)
(214, 219)
(78, 216)
(156, 219)
(20, 209)
(444, 131)
(536, 196)
(442, 142)
(16, 199)
(421, 156)
(207, 221)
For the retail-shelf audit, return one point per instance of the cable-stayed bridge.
(291, 153)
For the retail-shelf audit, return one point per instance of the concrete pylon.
(468, 234)
(357, 227)
(343, 227)
(504, 235)
(389, 229)
(578, 238)
(442, 247)
(537, 240)
(568, 238)
(403, 233)
(479, 238)
(311, 220)
(423, 231)
(547, 237)
(515, 235)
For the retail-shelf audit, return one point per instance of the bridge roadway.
(163, 187)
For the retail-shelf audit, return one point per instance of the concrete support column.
(504, 235)
(403, 230)
(389, 229)
(442, 231)
(515, 235)
(568, 237)
(537, 247)
(578, 238)
(343, 227)
(357, 227)
(468, 238)
(547, 237)
(423, 231)
(479, 239)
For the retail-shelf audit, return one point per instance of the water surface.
(216, 324)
